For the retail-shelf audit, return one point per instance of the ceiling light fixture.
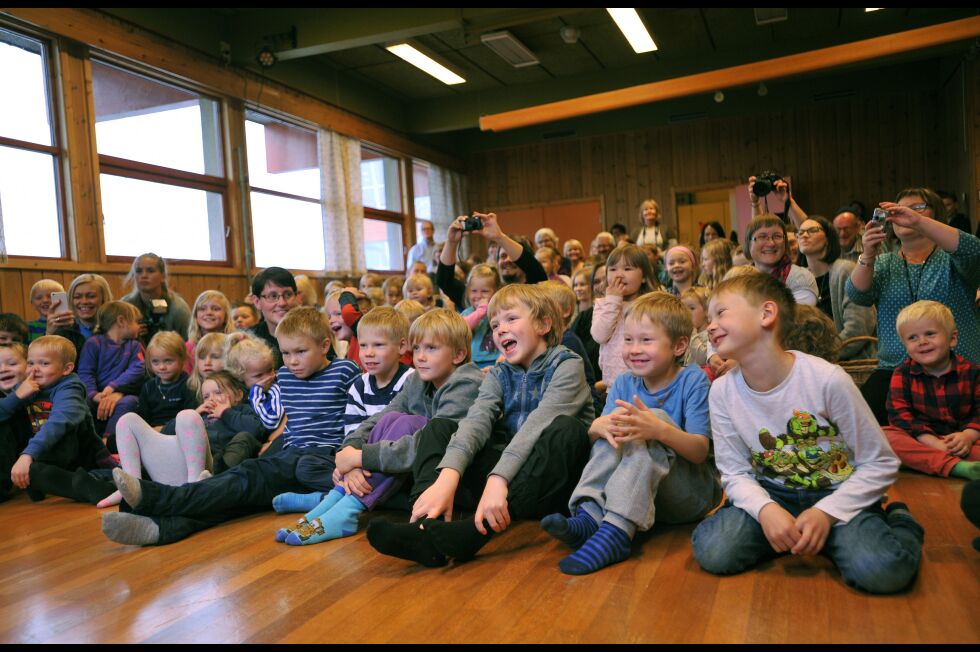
(763, 90)
(424, 62)
(507, 47)
(632, 27)
(266, 57)
(868, 11)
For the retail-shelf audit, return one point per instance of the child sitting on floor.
(802, 459)
(383, 334)
(63, 444)
(112, 366)
(521, 446)
(934, 405)
(653, 440)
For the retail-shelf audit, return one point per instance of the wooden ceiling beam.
(751, 73)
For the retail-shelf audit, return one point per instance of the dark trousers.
(245, 489)
(875, 391)
(14, 435)
(542, 486)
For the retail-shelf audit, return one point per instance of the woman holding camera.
(162, 309)
(934, 261)
(783, 195)
(765, 239)
(821, 247)
(76, 321)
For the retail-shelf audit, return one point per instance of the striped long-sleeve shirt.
(267, 404)
(315, 406)
(365, 399)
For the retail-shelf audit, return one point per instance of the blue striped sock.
(609, 545)
(573, 531)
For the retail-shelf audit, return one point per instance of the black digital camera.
(473, 223)
(765, 183)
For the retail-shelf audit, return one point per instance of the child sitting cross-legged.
(802, 459)
(518, 452)
(934, 405)
(653, 439)
(383, 337)
(63, 444)
(314, 393)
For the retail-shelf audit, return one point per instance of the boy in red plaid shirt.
(934, 406)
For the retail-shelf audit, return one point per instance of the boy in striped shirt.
(314, 398)
(383, 337)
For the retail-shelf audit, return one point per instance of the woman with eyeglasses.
(934, 261)
(765, 237)
(162, 309)
(820, 245)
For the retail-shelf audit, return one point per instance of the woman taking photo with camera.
(934, 261)
(76, 321)
(162, 309)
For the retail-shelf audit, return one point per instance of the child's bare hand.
(220, 405)
(266, 381)
(356, 482)
(779, 527)
(720, 366)
(493, 506)
(601, 428)
(27, 389)
(616, 287)
(337, 477)
(932, 441)
(108, 405)
(814, 526)
(348, 459)
(959, 443)
(20, 474)
(437, 500)
(635, 422)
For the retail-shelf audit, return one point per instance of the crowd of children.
(600, 393)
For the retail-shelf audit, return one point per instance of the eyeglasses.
(918, 208)
(765, 237)
(813, 230)
(275, 296)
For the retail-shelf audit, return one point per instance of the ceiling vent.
(510, 49)
(766, 16)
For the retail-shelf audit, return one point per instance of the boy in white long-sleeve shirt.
(802, 459)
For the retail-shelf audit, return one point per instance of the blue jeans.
(874, 552)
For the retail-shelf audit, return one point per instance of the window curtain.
(343, 210)
(447, 194)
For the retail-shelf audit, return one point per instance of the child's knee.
(187, 418)
(717, 542)
(127, 423)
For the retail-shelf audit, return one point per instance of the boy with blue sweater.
(519, 450)
(651, 455)
(314, 397)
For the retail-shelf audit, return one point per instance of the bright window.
(30, 200)
(284, 178)
(163, 180)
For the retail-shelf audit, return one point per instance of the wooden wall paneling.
(11, 294)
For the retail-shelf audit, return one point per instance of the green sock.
(967, 470)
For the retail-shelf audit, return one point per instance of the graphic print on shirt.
(807, 455)
(39, 411)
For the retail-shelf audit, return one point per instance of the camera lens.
(761, 188)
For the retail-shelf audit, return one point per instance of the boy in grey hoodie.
(520, 449)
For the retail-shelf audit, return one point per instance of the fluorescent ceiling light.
(633, 29)
(868, 11)
(425, 63)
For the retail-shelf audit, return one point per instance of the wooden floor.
(61, 581)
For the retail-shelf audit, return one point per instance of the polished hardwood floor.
(61, 581)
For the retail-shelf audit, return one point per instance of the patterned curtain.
(343, 211)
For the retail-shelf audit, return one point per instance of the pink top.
(189, 365)
(607, 331)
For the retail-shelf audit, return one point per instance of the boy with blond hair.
(802, 459)
(652, 443)
(378, 452)
(314, 396)
(63, 436)
(41, 300)
(520, 447)
(934, 405)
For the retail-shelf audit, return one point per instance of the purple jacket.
(103, 362)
